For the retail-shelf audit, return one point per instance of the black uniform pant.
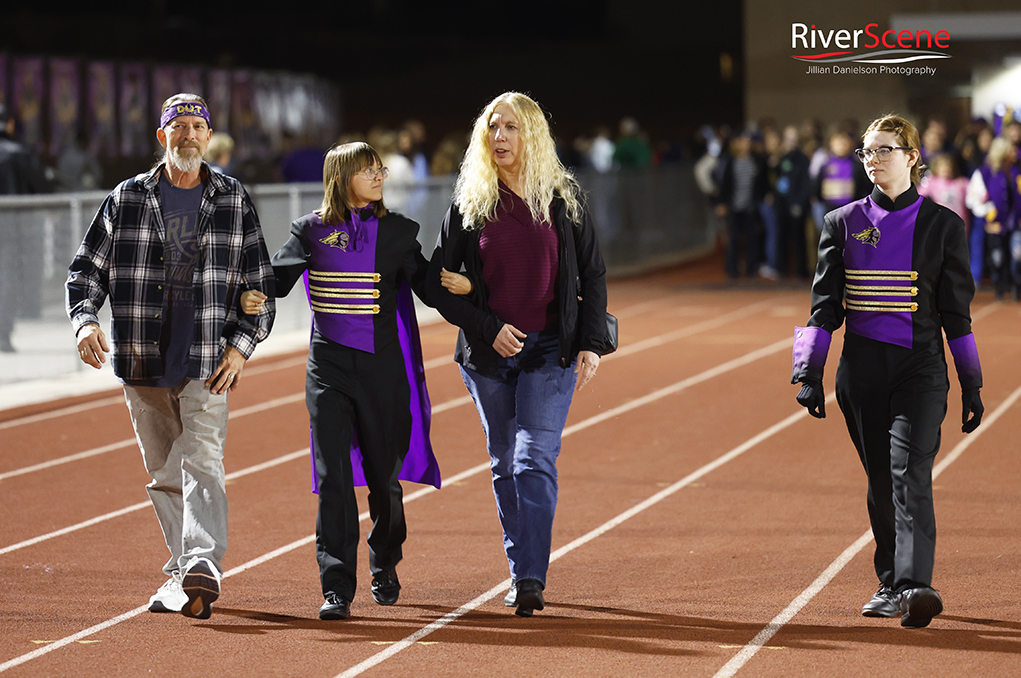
(347, 390)
(894, 400)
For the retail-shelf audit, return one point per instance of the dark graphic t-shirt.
(180, 252)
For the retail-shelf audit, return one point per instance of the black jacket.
(939, 257)
(580, 290)
(398, 255)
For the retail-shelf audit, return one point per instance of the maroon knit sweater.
(520, 258)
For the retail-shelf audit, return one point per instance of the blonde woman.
(533, 321)
(895, 265)
(365, 384)
(994, 199)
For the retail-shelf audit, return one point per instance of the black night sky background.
(587, 62)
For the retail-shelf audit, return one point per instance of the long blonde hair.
(342, 162)
(997, 154)
(541, 174)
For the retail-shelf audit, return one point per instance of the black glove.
(811, 396)
(972, 405)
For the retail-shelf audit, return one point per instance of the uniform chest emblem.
(338, 239)
(870, 236)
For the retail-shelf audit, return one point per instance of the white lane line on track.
(424, 492)
(743, 656)
(144, 504)
(629, 311)
(591, 421)
(712, 323)
(253, 409)
(431, 364)
(500, 588)
(114, 400)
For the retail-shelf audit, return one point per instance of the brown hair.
(908, 137)
(342, 162)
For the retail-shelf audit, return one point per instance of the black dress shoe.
(919, 606)
(511, 599)
(529, 597)
(885, 603)
(385, 587)
(335, 607)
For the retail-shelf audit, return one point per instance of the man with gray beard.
(173, 249)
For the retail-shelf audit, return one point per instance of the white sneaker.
(169, 598)
(201, 586)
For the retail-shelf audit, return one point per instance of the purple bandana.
(184, 108)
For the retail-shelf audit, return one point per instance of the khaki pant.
(181, 432)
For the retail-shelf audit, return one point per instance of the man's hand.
(811, 396)
(508, 342)
(973, 406)
(92, 346)
(585, 367)
(228, 374)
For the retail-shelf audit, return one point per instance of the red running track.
(706, 525)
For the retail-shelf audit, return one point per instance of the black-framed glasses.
(882, 153)
(371, 173)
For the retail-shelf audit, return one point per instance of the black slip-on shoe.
(919, 606)
(335, 607)
(385, 587)
(529, 597)
(885, 603)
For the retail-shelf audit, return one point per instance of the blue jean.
(523, 408)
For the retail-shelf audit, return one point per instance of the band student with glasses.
(173, 249)
(895, 267)
(365, 382)
(882, 154)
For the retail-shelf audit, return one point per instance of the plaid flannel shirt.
(122, 257)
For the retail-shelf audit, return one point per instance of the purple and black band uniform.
(898, 271)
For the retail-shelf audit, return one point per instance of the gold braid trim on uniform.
(858, 274)
(356, 276)
(352, 292)
(882, 290)
(902, 306)
(358, 309)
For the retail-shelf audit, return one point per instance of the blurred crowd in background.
(769, 186)
(774, 185)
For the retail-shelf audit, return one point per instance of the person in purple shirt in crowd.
(994, 197)
(841, 178)
(534, 321)
(895, 266)
(365, 385)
